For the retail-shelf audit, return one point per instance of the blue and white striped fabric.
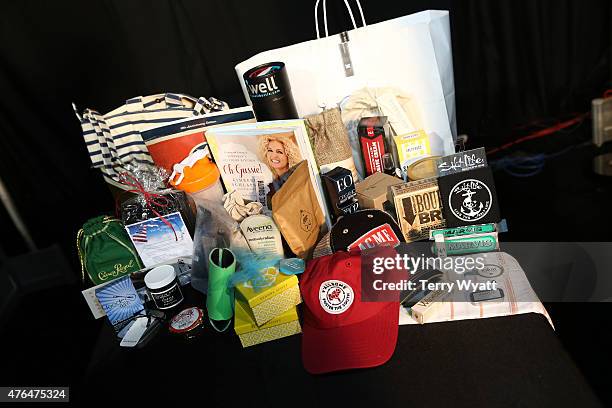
(113, 140)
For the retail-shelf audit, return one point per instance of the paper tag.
(156, 242)
(92, 301)
(440, 245)
(411, 147)
(135, 332)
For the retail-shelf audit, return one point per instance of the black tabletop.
(514, 361)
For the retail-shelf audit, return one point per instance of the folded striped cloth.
(114, 140)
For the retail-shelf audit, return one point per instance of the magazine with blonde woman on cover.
(256, 158)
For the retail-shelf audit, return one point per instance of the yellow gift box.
(283, 325)
(276, 294)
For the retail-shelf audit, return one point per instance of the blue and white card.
(158, 240)
(119, 300)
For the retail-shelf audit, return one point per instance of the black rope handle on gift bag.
(348, 8)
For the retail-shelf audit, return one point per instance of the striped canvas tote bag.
(114, 139)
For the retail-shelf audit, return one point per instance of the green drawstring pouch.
(105, 250)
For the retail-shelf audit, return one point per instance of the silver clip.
(345, 54)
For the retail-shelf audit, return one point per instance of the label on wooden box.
(418, 208)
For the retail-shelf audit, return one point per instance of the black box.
(469, 197)
(340, 192)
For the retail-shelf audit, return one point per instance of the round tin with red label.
(187, 323)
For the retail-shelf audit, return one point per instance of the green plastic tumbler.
(220, 297)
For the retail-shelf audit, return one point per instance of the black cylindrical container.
(163, 286)
(270, 92)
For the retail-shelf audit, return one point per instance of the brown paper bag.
(297, 213)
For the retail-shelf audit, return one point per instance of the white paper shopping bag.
(410, 55)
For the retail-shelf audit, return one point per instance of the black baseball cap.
(360, 230)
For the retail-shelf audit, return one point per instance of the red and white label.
(185, 320)
(335, 296)
(381, 235)
(373, 149)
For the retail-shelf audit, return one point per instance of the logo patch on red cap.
(380, 235)
(335, 296)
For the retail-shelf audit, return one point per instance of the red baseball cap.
(340, 331)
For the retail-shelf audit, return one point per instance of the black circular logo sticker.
(470, 200)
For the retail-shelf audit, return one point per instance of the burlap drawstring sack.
(329, 140)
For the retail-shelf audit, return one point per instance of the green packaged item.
(502, 226)
(220, 296)
(105, 250)
(460, 231)
(467, 244)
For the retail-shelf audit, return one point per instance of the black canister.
(270, 92)
(163, 286)
(341, 193)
